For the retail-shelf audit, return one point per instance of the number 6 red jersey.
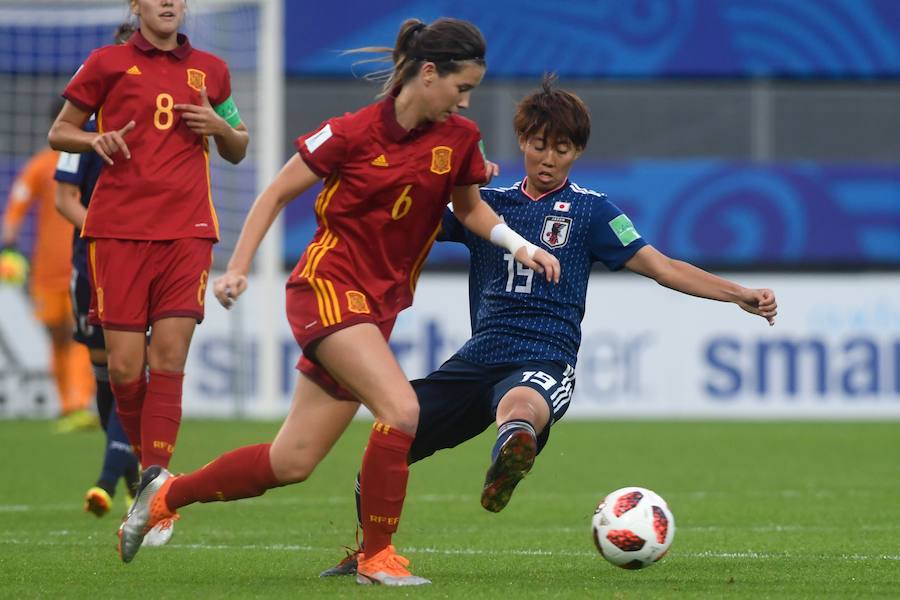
(385, 192)
(163, 192)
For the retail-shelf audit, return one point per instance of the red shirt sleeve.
(90, 84)
(325, 149)
(223, 89)
(472, 170)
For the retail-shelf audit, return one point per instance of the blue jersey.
(516, 314)
(81, 170)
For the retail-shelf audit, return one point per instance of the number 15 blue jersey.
(516, 314)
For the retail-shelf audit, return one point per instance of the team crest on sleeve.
(556, 231)
(440, 159)
(196, 79)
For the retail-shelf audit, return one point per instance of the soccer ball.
(633, 528)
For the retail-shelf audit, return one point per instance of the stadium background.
(758, 139)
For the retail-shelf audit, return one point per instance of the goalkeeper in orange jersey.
(51, 267)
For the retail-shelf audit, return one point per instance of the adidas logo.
(133, 70)
(381, 161)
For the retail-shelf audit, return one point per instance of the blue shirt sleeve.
(70, 168)
(614, 239)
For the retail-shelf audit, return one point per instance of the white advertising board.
(26, 387)
(647, 352)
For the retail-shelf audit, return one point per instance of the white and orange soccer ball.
(633, 527)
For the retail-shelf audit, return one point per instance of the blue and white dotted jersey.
(516, 314)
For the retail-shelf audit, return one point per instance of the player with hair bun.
(388, 170)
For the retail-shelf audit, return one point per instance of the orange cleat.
(386, 568)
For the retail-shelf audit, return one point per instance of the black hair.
(559, 114)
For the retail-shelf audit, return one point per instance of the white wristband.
(504, 236)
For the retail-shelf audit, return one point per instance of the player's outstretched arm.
(293, 179)
(688, 279)
(477, 216)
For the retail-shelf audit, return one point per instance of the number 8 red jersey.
(163, 192)
(385, 192)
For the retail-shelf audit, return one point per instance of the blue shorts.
(459, 401)
(84, 333)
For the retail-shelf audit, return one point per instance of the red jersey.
(163, 192)
(380, 210)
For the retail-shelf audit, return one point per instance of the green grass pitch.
(763, 510)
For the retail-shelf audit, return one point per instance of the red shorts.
(135, 283)
(316, 310)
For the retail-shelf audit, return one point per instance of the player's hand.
(492, 169)
(543, 262)
(107, 144)
(228, 287)
(759, 302)
(202, 119)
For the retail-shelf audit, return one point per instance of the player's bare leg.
(313, 425)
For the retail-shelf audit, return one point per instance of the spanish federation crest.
(440, 159)
(556, 231)
(196, 79)
(356, 302)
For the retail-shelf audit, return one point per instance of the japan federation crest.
(196, 79)
(440, 159)
(556, 231)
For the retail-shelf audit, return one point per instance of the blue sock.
(506, 430)
(119, 460)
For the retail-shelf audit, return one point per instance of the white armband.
(502, 235)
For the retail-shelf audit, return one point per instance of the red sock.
(129, 402)
(242, 473)
(383, 485)
(160, 418)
